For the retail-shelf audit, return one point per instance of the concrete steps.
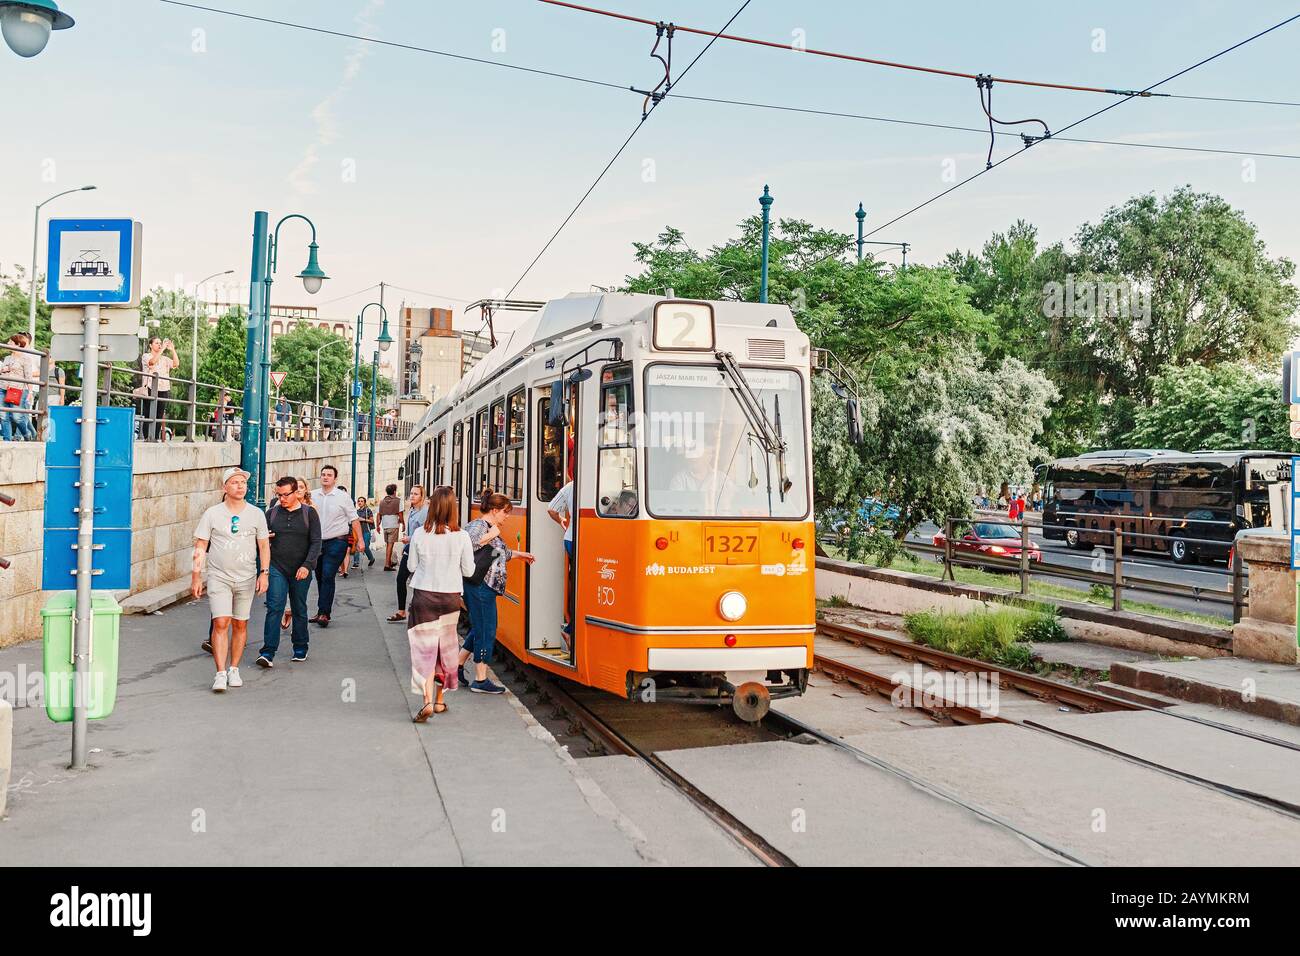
(1250, 687)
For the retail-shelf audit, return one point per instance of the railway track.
(605, 734)
(1040, 688)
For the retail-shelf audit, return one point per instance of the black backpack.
(306, 519)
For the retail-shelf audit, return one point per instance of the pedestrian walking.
(303, 495)
(366, 515)
(230, 543)
(390, 523)
(416, 512)
(439, 557)
(338, 515)
(295, 549)
(14, 371)
(482, 587)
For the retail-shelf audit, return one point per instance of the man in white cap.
(233, 542)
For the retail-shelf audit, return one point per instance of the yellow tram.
(685, 428)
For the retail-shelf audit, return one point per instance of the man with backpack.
(295, 549)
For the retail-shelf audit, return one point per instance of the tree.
(1156, 283)
(939, 418)
(221, 362)
(294, 353)
(1196, 408)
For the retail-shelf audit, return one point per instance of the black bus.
(1188, 505)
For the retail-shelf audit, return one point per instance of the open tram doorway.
(552, 618)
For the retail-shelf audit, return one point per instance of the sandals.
(395, 617)
(285, 622)
(439, 708)
(425, 713)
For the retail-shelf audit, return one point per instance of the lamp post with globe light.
(26, 24)
(384, 342)
(257, 350)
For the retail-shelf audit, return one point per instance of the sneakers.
(298, 658)
(219, 683)
(486, 687)
(264, 662)
(460, 675)
(233, 679)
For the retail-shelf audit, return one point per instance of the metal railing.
(172, 408)
(1116, 565)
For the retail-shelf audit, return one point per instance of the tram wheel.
(751, 702)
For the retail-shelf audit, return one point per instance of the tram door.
(550, 582)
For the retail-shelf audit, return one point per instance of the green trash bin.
(102, 670)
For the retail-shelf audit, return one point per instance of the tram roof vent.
(767, 350)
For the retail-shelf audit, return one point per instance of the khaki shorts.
(235, 601)
(391, 535)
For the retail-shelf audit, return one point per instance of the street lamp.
(26, 24)
(194, 353)
(385, 340)
(266, 254)
(36, 235)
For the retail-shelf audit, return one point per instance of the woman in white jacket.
(439, 557)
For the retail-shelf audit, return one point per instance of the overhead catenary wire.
(874, 61)
(619, 152)
(1083, 119)
(972, 129)
(588, 80)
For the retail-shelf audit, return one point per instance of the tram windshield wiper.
(769, 435)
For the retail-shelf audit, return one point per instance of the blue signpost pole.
(250, 458)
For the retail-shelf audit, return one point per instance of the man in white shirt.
(561, 512)
(338, 516)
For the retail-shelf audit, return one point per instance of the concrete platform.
(823, 807)
(1086, 656)
(307, 764)
(676, 834)
(155, 599)
(1182, 745)
(1100, 807)
(1252, 687)
(6, 750)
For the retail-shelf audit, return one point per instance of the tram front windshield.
(706, 459)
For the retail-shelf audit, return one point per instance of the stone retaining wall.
(174, 483)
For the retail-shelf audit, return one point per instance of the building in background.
(435, 355)
(286, 318)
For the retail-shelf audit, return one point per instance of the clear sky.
(446, 177)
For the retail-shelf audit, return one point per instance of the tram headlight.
(732, 606)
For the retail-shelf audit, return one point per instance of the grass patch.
(999, 635)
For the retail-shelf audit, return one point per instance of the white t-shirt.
(337, 512)
(562, 504)
(163, 365)
(232, 537)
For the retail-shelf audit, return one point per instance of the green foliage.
(1193, 407)
(294, 353)
(221, 362)
(15, 304)
(1043, 626)
(989, 634)
(1215, 297)
(999, 635)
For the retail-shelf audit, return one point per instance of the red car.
(994, 540)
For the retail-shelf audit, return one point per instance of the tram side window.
(480, 453)
(550, 453)
(514, 482)
(497, 439)
(616, 485)
(456, 443)
(436, 471)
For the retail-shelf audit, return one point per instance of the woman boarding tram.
(685, 428)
